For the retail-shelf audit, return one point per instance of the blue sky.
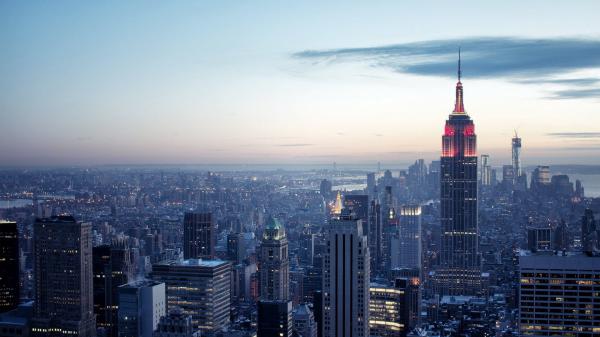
(121, 82)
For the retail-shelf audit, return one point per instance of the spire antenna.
(459, 71)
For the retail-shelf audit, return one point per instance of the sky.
(304, 82)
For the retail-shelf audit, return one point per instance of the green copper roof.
(273, 230)
(273, 223)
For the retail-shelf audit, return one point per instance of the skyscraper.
(389, 227)
(236, 251)
(387, 310)
(64, 303)
(346, 279)
(199, 287)
(274, 307)
(274, 262)
(408, 252)
(274, 318)
(516, 156)
(375, 236)
(558, 295)
(325, 189)
(141, 306)
(112, 268)
(359, 204)
(371, 185)
(459, 272)
(486, 170)
(9, 266)
(198, 236)
(590, 233)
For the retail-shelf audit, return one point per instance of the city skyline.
(122, 83)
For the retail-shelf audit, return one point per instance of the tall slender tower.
(459, 272)
(274, 262)
(346, 278)
(274, 308)
(516, 156)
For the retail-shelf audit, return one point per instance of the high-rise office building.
(411, 286)
(389, 227)
(508, 176)
(274, 264)
(306, 251)
(9, 266)
(112, 268)
(408, 239)
(198, 236)
(371, 185)
(200, 288)
(386, 311)
(64, 303)
(274, 307)
(486, 170)
(325, 189)
(236, 250)
(590, 233)
(141, 305)
(375, 236)
(346, 279)
(558, 295)
(274, 318)
(459, 272)
(359, 204)
(540, 178)
(516, 156)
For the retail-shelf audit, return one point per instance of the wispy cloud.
(576, 93)
(574, 135)
(522, 60)
(295, 145)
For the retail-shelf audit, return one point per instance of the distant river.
(15, 203)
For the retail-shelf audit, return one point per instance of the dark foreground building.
(64, 303)
(9, 266)
(198, 236)
(274, 319)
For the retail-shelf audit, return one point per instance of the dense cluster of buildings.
(448, 248)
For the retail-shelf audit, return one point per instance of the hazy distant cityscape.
(299, 169)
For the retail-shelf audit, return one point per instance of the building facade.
(558, 295)
(274, 264)
(141, 305)
(201, 288)
(460, 271)
(408, 252)
(112, 268)
(346, 279)
(9, 266)
(64, 302)
(198, 236)
(274, 318)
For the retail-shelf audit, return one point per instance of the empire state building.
(460, 271)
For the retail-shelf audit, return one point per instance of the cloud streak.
(574, 135)
(521, 60)
(295, 145)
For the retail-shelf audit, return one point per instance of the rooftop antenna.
(459, 72)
